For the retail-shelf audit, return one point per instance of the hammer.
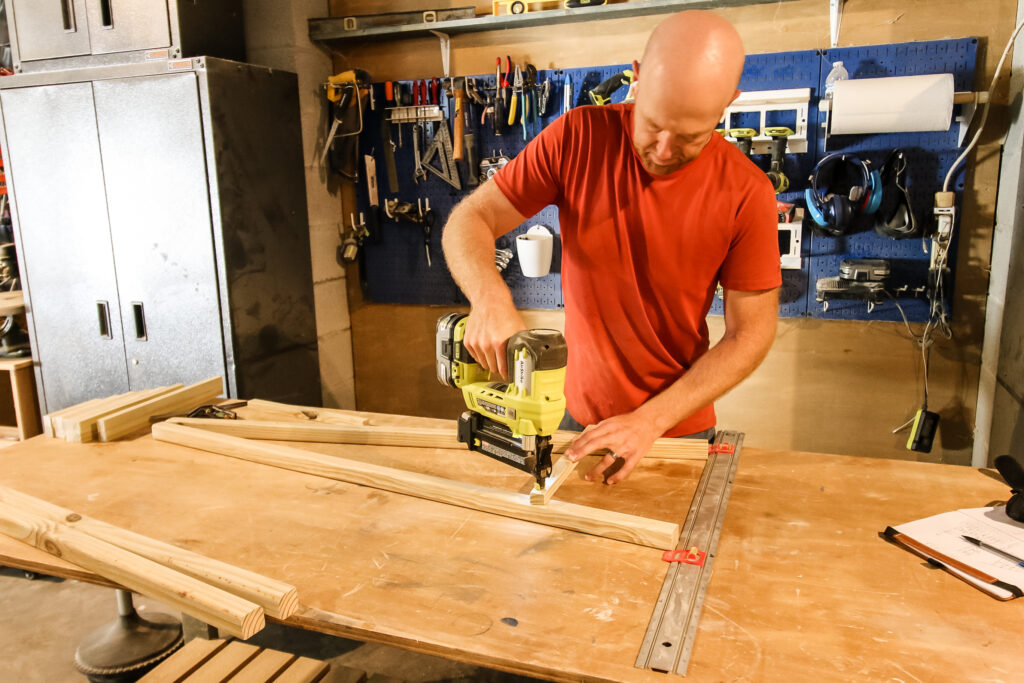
(458, 122)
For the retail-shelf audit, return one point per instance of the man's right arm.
(468, 242)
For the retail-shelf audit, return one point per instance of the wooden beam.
(319, 415)
(560, 471)
(418, 437)
(129, 420)
(278, 599)
(214, 606)
(80, 426)
(615, 525)
(318, 432)
(50, 419)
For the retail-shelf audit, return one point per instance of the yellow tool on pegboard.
(348, 94)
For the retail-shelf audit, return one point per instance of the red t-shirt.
(642, 255)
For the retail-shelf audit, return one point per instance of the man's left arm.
(750, 322)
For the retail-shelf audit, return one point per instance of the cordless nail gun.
(513, 421)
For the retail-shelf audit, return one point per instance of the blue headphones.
(842, 186)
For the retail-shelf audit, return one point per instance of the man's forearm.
(468, 243)
(750, 323)
(720, 369)
(469, 250)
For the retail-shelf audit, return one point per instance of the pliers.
(517, 94)
(529, 92)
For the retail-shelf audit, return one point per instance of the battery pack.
(926, 423)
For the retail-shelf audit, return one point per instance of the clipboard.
(992, 586)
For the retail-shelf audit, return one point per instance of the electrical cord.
(923, 341)
(984, 108)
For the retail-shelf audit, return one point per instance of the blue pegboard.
(780, 71)
(930, 156)
(395, 268)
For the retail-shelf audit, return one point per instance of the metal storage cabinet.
(162, 231)
(65, 34)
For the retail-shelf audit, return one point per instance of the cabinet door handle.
(103, 313)
(106, 14)
(140, 320)
(67, 13)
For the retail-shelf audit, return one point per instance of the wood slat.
(81, 426)
(324, 415)
(265, 666)
(391, 435)
(50, 419)
(594, 521)
(304, 670)
(560, 471)
(226, 663)
(124, 422)
(216, 607)
(183, 662)
(58, 418)
(278, 599)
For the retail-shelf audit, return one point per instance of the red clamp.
(691, 556)
(722, 448)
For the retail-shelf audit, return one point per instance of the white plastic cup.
(534, 250)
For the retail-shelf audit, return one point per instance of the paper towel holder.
(967, 99)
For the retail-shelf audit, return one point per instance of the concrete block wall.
(277, 36)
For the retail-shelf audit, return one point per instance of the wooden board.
(80, 425)
(277, 598)
(803, 588)
(214, 606)
(375, 432)
(614, 525)
(124, 422)
(216, 661)
(560, 471)
(50, 420)
(185, 661)
(225, 663)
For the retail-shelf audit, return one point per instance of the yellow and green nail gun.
(509, 421)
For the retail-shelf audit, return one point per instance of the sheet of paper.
(943, 533)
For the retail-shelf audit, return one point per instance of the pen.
(986, 546)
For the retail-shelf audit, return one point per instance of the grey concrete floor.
(43, 620)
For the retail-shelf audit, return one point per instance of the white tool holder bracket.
(415, 114)
(791, 259)
(765, 101)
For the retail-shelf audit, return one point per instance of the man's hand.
(628, 438)
(487, 332)
(750, 319)
(468, 241)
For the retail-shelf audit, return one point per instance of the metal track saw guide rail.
(668, 643)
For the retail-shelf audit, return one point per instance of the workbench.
(803, 588)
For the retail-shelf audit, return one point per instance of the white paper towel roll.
(892, 105)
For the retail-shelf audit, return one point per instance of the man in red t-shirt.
(655, 209)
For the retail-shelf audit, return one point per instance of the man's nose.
(663, 147)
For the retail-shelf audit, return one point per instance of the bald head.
(689, 74)
(695, 54)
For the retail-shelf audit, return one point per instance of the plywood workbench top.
(803, 588)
